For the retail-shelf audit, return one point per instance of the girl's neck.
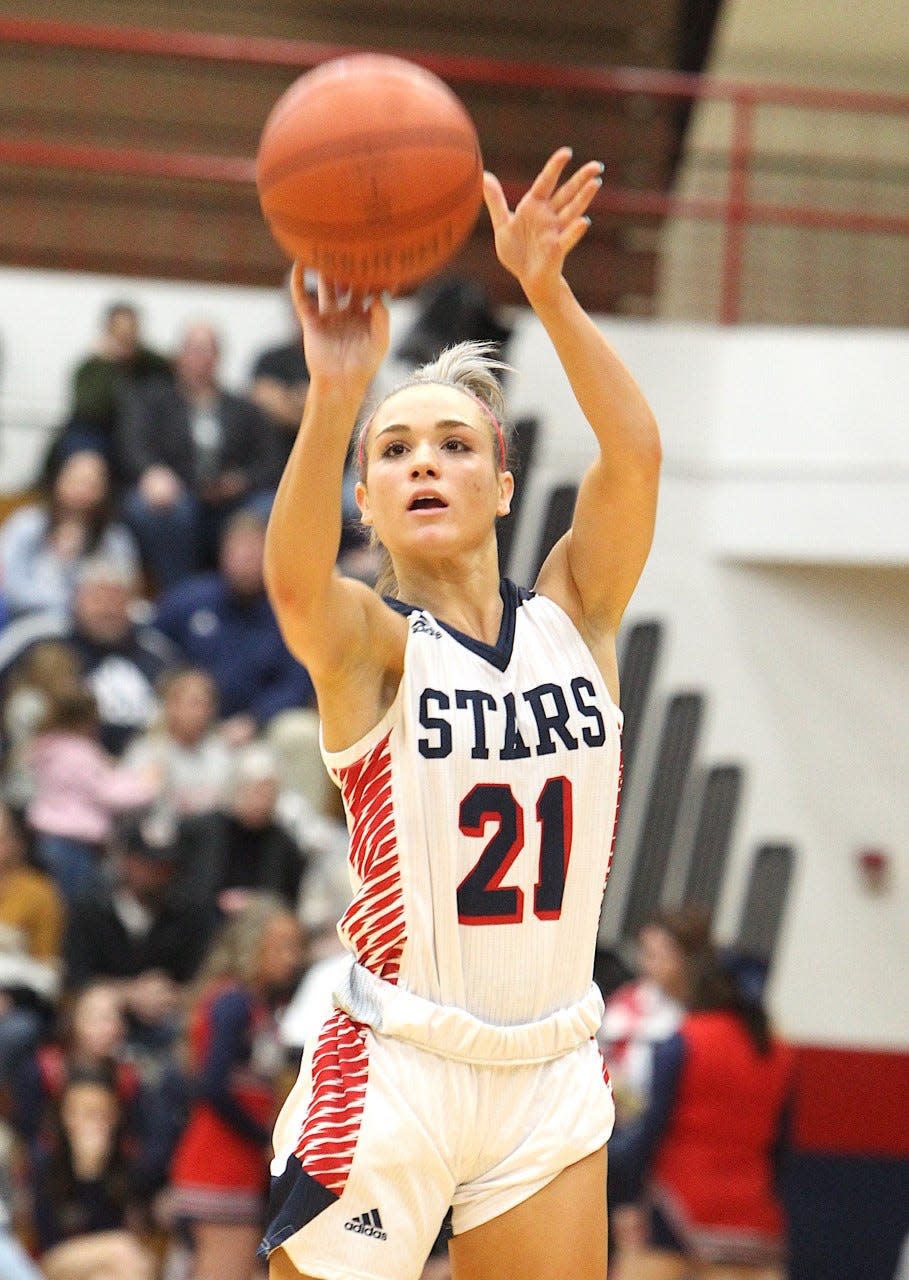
(467, 599)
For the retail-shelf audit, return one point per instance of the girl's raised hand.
(533, 241)
(345, 336)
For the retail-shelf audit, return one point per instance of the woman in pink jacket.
(78, 788)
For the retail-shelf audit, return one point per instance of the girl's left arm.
(610, 536)
(593, 570)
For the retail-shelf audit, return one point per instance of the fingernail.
(602, 166)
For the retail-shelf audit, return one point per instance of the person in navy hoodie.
(119, 654)
(223, 621)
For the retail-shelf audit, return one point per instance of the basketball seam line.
(392, 224)
(275, 171)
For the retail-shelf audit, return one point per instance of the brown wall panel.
(181, 229)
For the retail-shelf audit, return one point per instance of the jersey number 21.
(482, 898)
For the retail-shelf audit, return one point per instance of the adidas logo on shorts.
(367, 1224)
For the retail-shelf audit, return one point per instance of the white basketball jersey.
(482, 813)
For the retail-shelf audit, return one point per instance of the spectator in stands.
(78, 790)
(84, 1201)
(49, 669)
(139, 935)
(101, 384)
(120, 658)
(91, 1036)
(239, 1069)
(43, 545)
(31, 940)
(184, 744)
(702, 1150)
(15, 1263)
(242, 847)
(223, 621)
(640, 1015)
(192, 453)
(279, 381)
(450, 309)
(646, 1010)
(89, 1033)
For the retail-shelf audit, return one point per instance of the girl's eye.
(394, 450)
(454, 445)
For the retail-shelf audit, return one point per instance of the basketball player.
(473, 730)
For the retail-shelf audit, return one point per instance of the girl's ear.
(506, 493)
(362, 498)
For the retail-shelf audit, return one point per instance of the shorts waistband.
(454, 1033)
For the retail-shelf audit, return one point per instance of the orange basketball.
(369, 170)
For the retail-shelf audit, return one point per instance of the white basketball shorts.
(379, 1137)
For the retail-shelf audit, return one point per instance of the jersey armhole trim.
(336, 760)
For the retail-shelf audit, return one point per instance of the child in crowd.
(47, 671)
(78, 789)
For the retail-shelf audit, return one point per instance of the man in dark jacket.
(191, 452)
(101, 384)
(138, 933)
(242, 846)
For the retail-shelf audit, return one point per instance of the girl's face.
(98, 1023)
(189, 708)
(89, 1113)
(432, 483)
(82, 481)
(281, 955)
(662, 960)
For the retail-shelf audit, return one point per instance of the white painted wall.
(780, 568)
(792, 614)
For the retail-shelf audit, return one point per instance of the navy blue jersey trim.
(498, 654)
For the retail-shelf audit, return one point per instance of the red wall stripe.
(852, 1101)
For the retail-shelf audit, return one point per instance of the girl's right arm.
(340, 630)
